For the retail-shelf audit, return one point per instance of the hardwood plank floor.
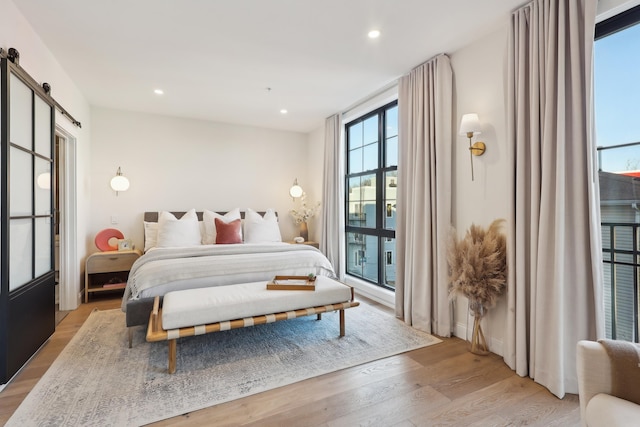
(442, 384)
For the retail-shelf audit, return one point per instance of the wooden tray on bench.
(292, 283)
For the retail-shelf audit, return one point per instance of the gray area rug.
(98, 381)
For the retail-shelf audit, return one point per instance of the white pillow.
(202, 230)
(258, 229)
(173, 232)
(209, 219)
(150, 235)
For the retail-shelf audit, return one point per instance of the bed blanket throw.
(625, 369)
(165, 269)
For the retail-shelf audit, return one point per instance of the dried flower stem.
(303, 213)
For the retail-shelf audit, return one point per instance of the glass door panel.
(20, 107)
(20, 183)
(43, 246)
(42, 128)
(42, 190)
(20, 247)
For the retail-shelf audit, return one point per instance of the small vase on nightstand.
(304, 231)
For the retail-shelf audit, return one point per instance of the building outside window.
(617, 90)
(371, 183)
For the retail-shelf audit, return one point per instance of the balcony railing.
(621, 257)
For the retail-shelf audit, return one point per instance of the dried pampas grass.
(478, 266)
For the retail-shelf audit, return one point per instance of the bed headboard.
(153, 216)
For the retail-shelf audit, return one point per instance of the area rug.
(98, 381)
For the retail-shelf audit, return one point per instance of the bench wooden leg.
(130, 330)
(319, 316)
(341, 323)
(172, 356)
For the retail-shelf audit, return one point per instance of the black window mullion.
(33, 184)
(380, 193)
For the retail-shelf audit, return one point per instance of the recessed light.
(158, 91)
(374, 34)
(283, 111)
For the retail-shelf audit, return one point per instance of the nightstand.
(108, 271)
(310, 243)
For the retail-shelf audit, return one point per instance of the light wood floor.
(442, 384)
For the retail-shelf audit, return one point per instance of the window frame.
(617, 23)
(380, 232)
(613, 328)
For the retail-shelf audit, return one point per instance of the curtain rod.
(386, 87)
(43, 90)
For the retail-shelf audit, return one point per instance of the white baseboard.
(495, 345)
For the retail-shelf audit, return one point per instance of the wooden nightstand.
(310, 243)
(108, 271)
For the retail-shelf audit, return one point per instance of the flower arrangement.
(304, 212)
(478, 271)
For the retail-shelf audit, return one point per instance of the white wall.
(177, 164)
(38, 61)
(479, 86)
(315, 178)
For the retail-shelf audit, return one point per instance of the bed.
(171, 267)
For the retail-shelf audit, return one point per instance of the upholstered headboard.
(153, 216)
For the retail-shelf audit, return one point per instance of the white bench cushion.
(194, 307)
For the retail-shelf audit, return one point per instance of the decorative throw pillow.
(210, 226)
(228, 232)
(173, 232)
(258, 229)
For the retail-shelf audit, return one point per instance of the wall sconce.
(119, 182)
(470, 126)
(44, 181)
(295, 190)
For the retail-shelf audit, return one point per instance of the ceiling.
(215, 59)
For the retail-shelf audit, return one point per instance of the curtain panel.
(554, 248)
(332, 234)
(424, 196)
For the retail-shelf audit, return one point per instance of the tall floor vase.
(478, 341)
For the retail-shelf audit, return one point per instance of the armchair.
(597, 406)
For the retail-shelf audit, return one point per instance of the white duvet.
(162, 270)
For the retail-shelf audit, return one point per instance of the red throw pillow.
(228, 232)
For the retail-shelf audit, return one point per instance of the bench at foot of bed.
(202, 311)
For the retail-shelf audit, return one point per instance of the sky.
(617, 98)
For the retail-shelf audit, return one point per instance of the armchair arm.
(594, 373)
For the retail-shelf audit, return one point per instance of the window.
(371, 180)
(616, 77)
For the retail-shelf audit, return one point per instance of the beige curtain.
(332, 235)
(555, 266)
(424, 196)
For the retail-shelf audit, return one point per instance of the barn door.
(27, 290)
